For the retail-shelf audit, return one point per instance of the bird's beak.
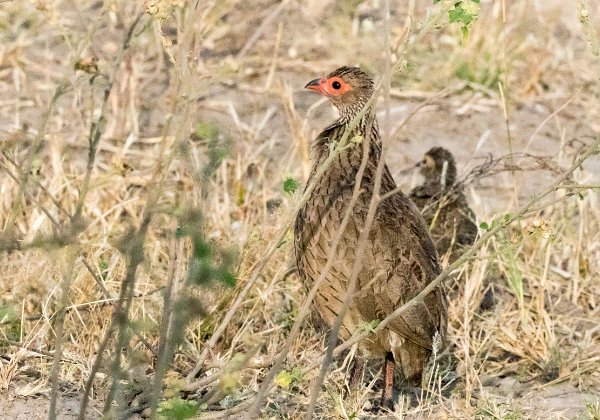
(407, 171)
(315, 85)
(411, 168)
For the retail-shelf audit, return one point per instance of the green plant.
(464, 12)
(10, 324)
(178, 409)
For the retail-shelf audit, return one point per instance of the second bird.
(443, 204)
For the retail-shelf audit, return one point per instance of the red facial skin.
(334, 86)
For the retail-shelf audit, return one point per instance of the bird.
(444, 205)
(399, 258)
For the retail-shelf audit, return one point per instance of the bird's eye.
(335, 85)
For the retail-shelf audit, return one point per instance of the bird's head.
(432, 166)
(348, 89)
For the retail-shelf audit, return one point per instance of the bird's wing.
(403, 248)
(419, 192)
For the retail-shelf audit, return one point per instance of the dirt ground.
(37, 408)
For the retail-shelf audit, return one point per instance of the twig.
(98, 126)
(25, 166)
(228, 413)
(94, 136)
(552, 114)
(26, 347)
(504, 103)
(58, 333)
(428, 101)
(22, 185)
(97, 279)
(164, 350)
(87, 305)
(135, 255)
(579, 186)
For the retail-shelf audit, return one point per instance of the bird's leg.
(387, 395)
(356, 372)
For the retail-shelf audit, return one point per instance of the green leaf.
(369, 326)
(454, 15)
(10, 323)
(7, 314)
(464, 13)
(206, 130)
(225, 277)
(285, 378)
(484, 226)
(202, 250)
(178, 409)
(459, 14)
(290, 185)
(357, 139)
(103, 266)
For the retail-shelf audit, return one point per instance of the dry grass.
(129, 147)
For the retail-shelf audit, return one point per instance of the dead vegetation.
(144, 154)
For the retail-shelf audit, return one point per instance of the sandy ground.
(34, 408)
(559, 401)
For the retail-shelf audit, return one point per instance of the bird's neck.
(358, 110)
(443, 181)
(346, 144)
(347, 133)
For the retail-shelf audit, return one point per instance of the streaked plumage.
(400, 258)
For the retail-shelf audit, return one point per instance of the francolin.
(443, 205)
(399, 260)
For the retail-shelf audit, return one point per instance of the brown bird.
(400, 259)
(443, 205)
